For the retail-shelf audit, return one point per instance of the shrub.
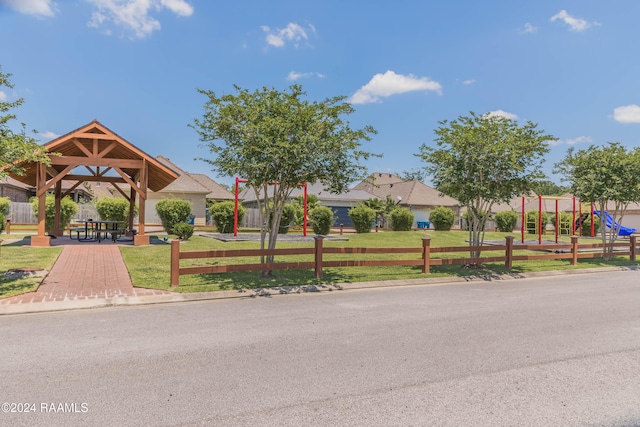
(533, 221)
(401, 219)
(506, 221)
(172, 212)
(442, 218)
(183, 230)
(586, 226)
(68, 208)
(3, 222)
(5, 204)
(288, 217)
(223, 215)
(362, 218)
(112, 209)
(322, 219)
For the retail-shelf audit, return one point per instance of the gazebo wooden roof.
(107, 157)
(95, 145)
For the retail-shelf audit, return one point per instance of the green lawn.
(13, 254)
(149, 266)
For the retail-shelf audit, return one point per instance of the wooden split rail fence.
(571, 251)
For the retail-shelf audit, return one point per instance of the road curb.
(126, 301)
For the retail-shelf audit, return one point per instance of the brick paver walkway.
(84, 272)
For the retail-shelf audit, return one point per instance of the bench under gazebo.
(94, 153)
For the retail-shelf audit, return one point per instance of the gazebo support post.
(58, 229)
(41, 180)
(132, 208)
(141, 238)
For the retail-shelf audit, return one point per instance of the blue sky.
(572, 67)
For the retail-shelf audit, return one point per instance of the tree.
(413, 175)
(277, 140)
(15, 147)
(547, 187)
(482, 160)
(604, 175)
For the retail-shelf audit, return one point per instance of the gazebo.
(108, 158)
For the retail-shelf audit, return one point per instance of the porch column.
(41, 181)
(132, 208)
(141, 238)
(58, 229)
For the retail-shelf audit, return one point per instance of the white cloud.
(31, 7)
(469, 82)
(48, 135)
(3, 96)
(390, 83)
(294, 75)
(529, 28)
(134, 14)
(291, 33)
(502, 113)
(579, 140)
(627, 114)
(575, 24)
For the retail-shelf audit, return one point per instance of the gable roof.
(101, 146)
(184, 183)
(217, 191)
(414, 193)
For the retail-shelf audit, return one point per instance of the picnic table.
(97, 230)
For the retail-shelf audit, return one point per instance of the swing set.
(578, 217)
(235, 212)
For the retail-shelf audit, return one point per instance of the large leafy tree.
(481, 160)
(15, 147)
(607, 176)
(277, 140)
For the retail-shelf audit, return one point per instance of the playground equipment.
(622, 230)
(235, 212)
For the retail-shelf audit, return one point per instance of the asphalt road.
(557, 351)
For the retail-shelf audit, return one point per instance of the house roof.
(96, 145)
(217, 191)
(413, 193)
(185, 183)
(317, 189)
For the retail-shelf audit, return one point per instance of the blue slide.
(622, 230)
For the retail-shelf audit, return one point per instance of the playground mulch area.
(255, 237)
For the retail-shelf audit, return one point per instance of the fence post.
(175, 263)
(341, 229)
(8, 229)
(632, 248)
(574, 250)
(318, 250)
(426, 255)
(508, 262)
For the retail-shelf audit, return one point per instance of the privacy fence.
(570, 251)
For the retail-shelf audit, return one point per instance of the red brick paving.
(85, 272)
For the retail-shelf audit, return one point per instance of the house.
(339, 203)
(420, 198)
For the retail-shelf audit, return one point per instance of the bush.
(183, 230)
(401, 219)
(533, 221)
(111, 209)
(5, 204)
(322, 219)
(506, 221)
(442, 218)
(223, 215)
(172, 212)
(3, 222)
(68, 208)
(288, 217)
(586, 226)
(362, 218)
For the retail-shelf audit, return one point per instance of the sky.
(572, 67)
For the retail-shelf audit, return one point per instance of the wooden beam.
(82, 148)
(96, 161)
(104, 171)
(73, 187)
(108, 148)
(95, 178)
(91, 170)
(43, 188)
(130, 182)
(96, 136)
(122, 192)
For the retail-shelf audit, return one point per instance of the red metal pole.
(581, 222)
(540, 220)
(304, 221)
(523, 221)
(593, 232)
(573, 221)
(557, 221)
